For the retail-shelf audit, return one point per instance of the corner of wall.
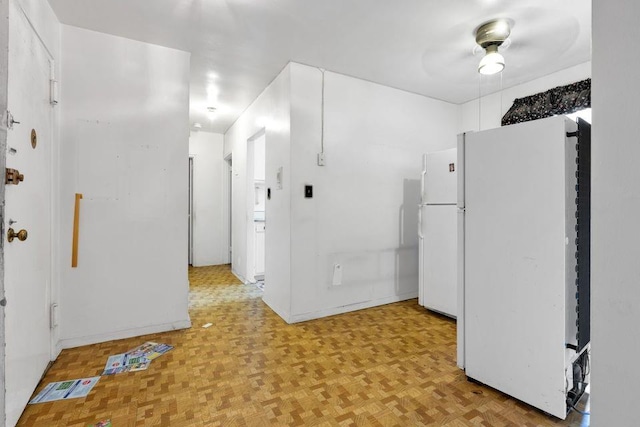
(132, 240)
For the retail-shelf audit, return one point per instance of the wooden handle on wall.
(76, 229)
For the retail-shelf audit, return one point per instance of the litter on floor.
(61, 390)
(137, 359)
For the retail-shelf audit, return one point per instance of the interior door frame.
(191, 202)
(250, 258)
(228, 209)
(4, 82)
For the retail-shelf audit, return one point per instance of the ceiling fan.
(490, 36)
(533, 40)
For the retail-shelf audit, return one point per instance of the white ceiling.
(422, 46)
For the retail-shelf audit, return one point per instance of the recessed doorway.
(256, 207)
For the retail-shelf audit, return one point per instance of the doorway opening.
(256, 208)
(228, 210)
(190, 215)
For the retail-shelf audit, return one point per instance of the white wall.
(615, 275)
(124, 132)
(364, 212)
(487, 111)
(270, 113)
(210, 245)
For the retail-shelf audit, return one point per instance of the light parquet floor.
(387, 366)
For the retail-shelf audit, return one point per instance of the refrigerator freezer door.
(441, 178)
(460, 170)
(440, 258)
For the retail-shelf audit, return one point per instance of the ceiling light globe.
(491, 63)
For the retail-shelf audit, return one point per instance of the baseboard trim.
(297, 318)
(57, 348)
(239, 277)
(282, 313)
(128, 333)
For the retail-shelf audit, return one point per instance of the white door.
(440, 258)
(27, 263)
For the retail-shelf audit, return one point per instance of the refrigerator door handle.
(421, 269)
(422, 195)
(420, 235)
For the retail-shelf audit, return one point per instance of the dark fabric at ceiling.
(559, 100)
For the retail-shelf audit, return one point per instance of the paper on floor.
(61, 390)
(150, 350)
(137, 359)
(119, 363)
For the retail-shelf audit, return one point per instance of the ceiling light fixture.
(212, 112)
(490, 36)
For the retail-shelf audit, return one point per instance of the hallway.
(392, 365)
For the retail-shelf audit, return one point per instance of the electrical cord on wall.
(321, 153)
(322, 115)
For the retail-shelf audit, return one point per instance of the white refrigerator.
(437, 233)
(523, 314)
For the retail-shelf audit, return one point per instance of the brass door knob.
(12, 176)
(21, 235)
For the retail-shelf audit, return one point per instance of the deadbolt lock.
(11, 121)
(13, 176)
(21, 235)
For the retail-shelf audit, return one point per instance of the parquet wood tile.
(386, 366)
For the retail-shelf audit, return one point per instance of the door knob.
(21, 235)
(13, 176)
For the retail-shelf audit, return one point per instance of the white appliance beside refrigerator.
(523, 322)
(437, 233)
